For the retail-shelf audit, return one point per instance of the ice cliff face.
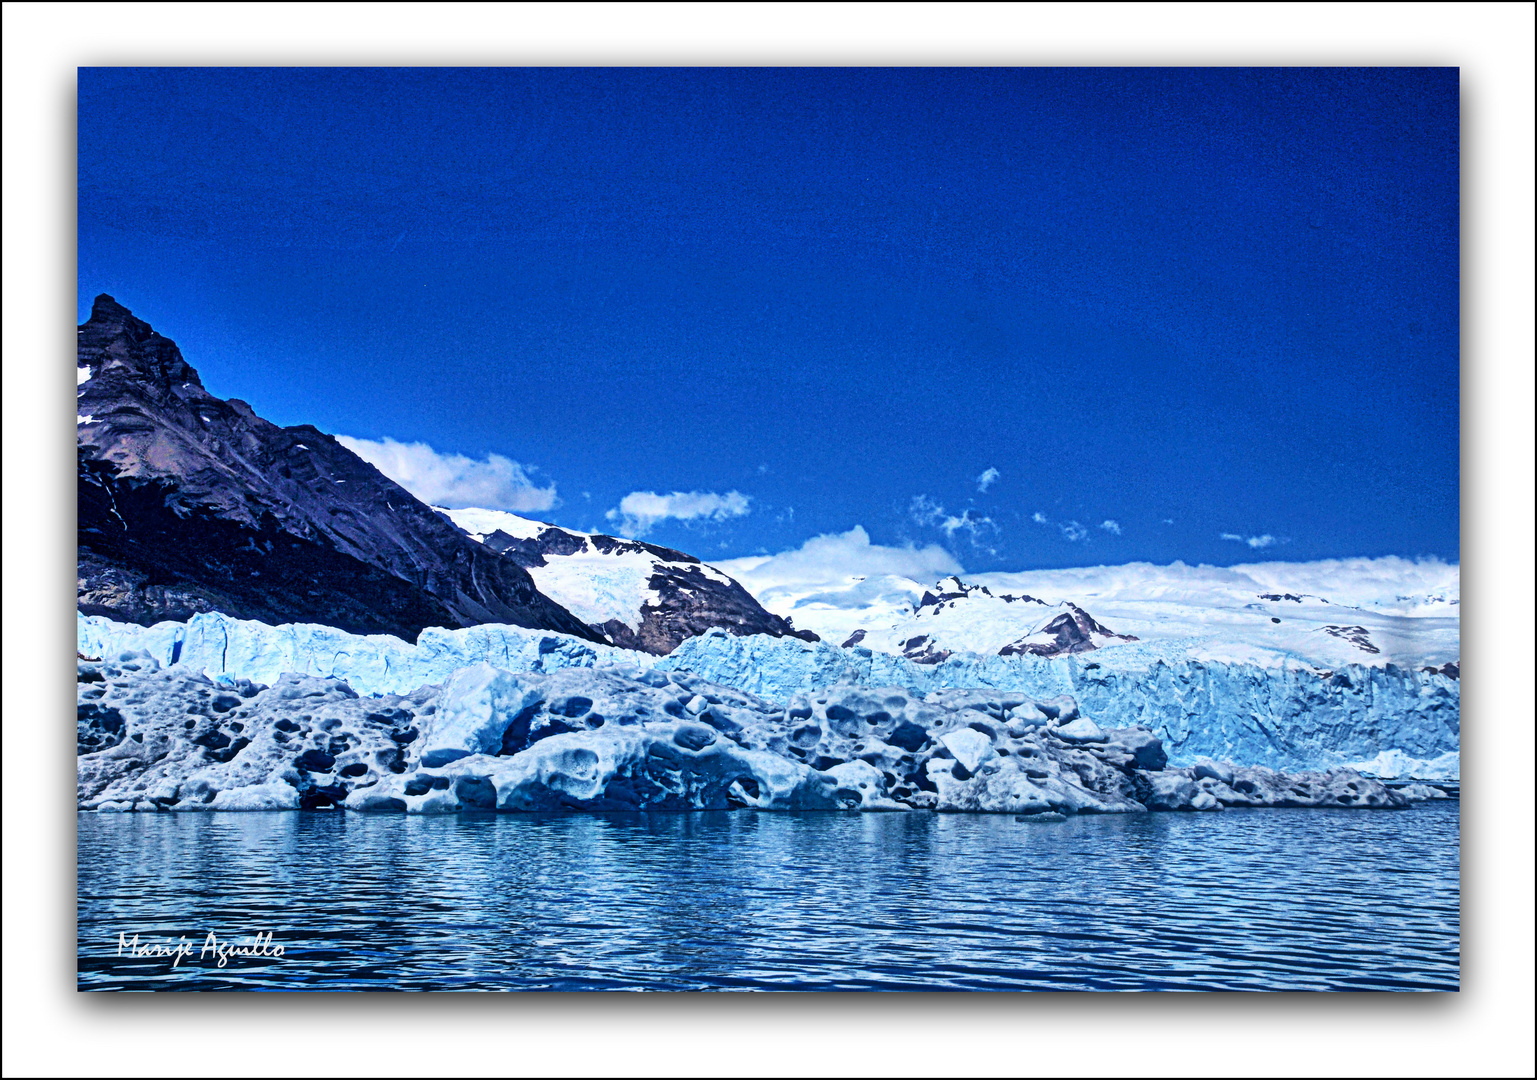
(630, 739)
(224, 648)
(1286, 715)
(1391, 721)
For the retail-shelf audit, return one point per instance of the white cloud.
(836, 583)
(1253, 541)
(640, 511)
(925, 511)
(929, 513)
(985, 481)
(1071, 530)
(835, 557)
(1111, 526)
(453, 480)
(953, 524)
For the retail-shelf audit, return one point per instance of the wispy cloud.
(1070, 530)
(1111, 526)
(925, 511)
(930, 514)
(985, 481)
(454, 480)
(1253, 541)
(641, 511)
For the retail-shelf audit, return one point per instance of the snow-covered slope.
(638, 595)
(1329, 614)
(958, 617)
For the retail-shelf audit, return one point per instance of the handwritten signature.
(182, 949)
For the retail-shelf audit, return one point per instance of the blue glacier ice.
(219, 645)
(1390, 721)
(1285, 715)
(153, 739)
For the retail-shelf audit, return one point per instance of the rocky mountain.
(1073, 631)
(957, 616)
(637, 595)
(189, 503)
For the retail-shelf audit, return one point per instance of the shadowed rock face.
(684, 600)
(191, 503)
(1356, 635)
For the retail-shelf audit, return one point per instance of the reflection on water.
(1255, 900)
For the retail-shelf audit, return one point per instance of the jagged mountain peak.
(950, 589)
(191, 503)
(114, 339)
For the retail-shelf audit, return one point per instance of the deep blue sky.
(1192, 302)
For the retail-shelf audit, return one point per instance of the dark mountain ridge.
(192, 503)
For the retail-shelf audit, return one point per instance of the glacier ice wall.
(218, 645)
(1284, 716)
(1389, 721)
(150, 740)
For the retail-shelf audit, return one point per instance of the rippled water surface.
(1248, 900)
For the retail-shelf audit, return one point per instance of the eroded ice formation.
(1388, 721)
(153, 738)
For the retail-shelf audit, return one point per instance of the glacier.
(224, 647)
(1389, 721)
(1282, 713)
(172, 739)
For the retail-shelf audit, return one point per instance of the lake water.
(1242, 900)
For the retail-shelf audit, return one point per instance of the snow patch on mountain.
(638, 595)
(597, 586)
(482, 523)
